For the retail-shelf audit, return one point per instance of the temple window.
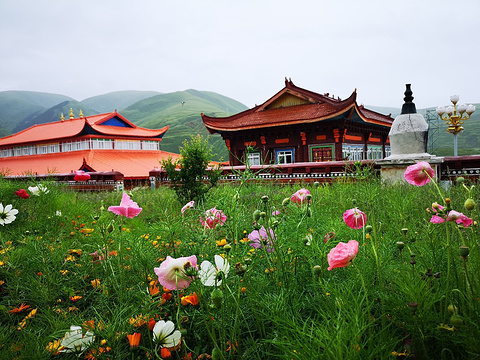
(253, 158)
(321, 153)
(149, 145)
(284, 156)
(352, 152)
(128, 144)
(374, 152)
(102, 144)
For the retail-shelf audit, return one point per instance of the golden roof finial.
(81, 114)
(61, 117)
(71, 113)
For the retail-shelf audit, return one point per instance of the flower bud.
(404, 231)
(240, 269)
(109, 228)
(316, 183)
(413, 307)
(308, 197)
(400, 245)
(265, 198)
(285, 201)
(456, 320)
(469, 204)
(452, 309)
(463, 251)
(317, 270)
(460, 180)
(256, 215)
(263, 214)
(369, 229)
(217, 298)
(227, 247)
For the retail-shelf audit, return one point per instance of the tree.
(190, 175)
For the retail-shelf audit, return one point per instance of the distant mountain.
(118, 100)
(17, 105)
(54, 114)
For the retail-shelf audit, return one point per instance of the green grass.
(278, 309)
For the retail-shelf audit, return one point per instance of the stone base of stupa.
(392, 168)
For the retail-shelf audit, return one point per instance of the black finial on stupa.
(408, 107)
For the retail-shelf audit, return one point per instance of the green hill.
(181, 111)
(116, 100)
(17, 105)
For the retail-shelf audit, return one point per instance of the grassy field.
(66, 260)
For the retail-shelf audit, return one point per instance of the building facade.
(297, 125)
(99, 143)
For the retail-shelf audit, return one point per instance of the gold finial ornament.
(81, 114)
(71, 113)
(61, 117)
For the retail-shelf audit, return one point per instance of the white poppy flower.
(164, 334)
(7, 214)
(75, 341)
(209, 273)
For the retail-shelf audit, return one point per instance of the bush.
(190, 175)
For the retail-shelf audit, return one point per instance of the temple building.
(98, 143)
(297, 125)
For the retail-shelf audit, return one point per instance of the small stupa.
(408, 141)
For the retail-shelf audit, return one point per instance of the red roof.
(131, 163)
(310, 107)
(63, 130)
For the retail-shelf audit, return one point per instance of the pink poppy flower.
(328, 236)
(81, 175)
(172, 272)
(275, 213)
(419, 174)
(355, 218)
(213, 217)
(437, 219)
(128, 207)
(300, 196)
(342, 255)
(260, 238)
(188, 205)
(459, 218)
(22, 194)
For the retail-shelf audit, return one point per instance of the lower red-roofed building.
(98, 144)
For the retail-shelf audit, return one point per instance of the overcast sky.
(244, 49)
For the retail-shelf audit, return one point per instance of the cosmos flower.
(260, 238)
(419, 174)
(173, 272)
(127, 207)
(213, 217)
(7, 214)
(355, 218)
(212, 275)
(39, 189)
(165, 335)
(75, 341)
(342, 255)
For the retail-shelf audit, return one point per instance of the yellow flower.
(64, 272)
(71, 258)
(222, 242)
(54, 347)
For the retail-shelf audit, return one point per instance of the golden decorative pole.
(455, 117)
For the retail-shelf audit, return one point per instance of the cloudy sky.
(244, 49)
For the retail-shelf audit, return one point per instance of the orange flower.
(95, 283)
(19, 309)
(89, 325)
(134, 339)
(165, 353)
(166, 290)
(137, 321)
(190, 299)
(167, 296)
(54, 347)
(151, 324)
(154, 289)
(75, 298)
(222, 242)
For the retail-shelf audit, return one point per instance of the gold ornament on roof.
(71, 113)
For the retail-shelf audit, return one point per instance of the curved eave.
(129, 132)
(212, 128)
(381, 120)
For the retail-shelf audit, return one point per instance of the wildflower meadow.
(347, 270)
